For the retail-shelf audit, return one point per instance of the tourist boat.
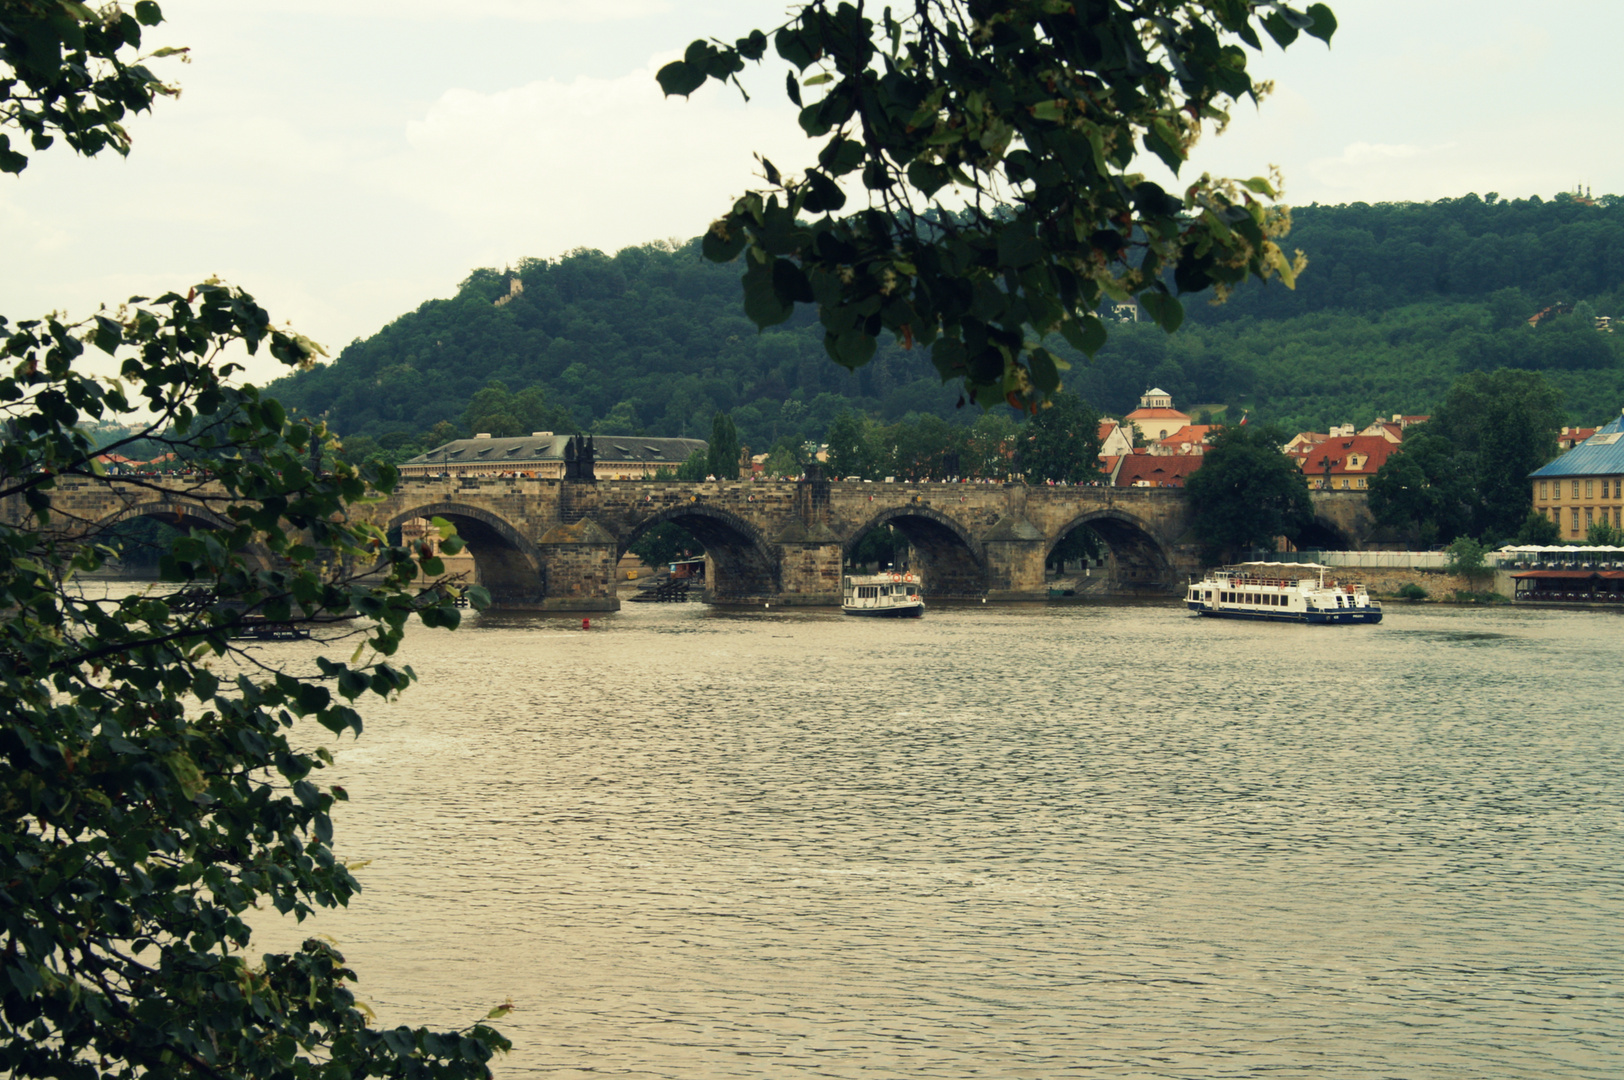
(888, 595)
(1287, 592)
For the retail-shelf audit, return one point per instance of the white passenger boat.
(1287, 592)
(889, 595)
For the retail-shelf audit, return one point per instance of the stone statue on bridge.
(580, 458)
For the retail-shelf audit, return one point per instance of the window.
(1542, 494)
(1589, 517)
(1574, 527)
(1556, 514)
(1590, 486)
(1576, 489)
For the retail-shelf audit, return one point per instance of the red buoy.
(586, 624)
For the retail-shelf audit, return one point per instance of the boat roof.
(1280, 566)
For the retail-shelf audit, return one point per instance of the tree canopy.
(723, 449)
(1061, 443)
(153, 787)
(1465, 472)
(1247, 493)
(997, 145)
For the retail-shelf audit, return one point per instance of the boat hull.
(1356, 615)
(908, 611)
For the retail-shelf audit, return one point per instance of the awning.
(1572, 575)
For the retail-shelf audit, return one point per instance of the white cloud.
(591, 161)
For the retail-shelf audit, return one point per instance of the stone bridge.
(554, 544)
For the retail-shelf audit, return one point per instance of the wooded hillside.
(1398, 300)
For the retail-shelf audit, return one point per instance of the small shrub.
(1412, 591)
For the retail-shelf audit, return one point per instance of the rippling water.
(1000, 842)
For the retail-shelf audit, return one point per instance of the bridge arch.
(509, 565)
(1142, 558)
(1325, 535)
(746, 566)
(183, 514)
(952, 562)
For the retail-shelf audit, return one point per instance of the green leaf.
(790, 284)
(1165, 309)
(850, 348)
(1045, 371)
(1018, 245)
(1086, 333)
(823, 194)
(716, 249)
(762, 303)
(928, 177)
(149, 13)
(679, 78)
(1279, 28)
(1324, 22)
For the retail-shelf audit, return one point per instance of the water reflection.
(1000, 841)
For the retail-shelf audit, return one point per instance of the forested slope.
(1397, 301)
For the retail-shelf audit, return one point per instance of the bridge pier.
(577, 572)
(1015, 549)
(810, 562)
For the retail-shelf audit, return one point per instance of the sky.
(345, 162)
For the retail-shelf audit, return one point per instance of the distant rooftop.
(528, 449)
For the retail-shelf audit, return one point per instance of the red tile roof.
(1373, 449)
(1190, 435)
(1167, 470)
(1158, 414)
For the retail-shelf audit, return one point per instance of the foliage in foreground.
(1033, 113)
(150, 793)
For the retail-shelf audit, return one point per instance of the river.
(1001, 841)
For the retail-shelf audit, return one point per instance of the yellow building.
(1585, 485)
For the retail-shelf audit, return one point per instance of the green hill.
(1398, 300)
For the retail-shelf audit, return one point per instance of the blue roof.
(1600, 455)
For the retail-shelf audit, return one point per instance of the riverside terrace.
(554, 544)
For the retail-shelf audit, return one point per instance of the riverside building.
(1584, 485)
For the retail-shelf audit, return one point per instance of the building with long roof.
(541, 454)
(1584, 485)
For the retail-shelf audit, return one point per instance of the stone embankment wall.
(1439, 585)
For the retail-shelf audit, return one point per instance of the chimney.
(482, 435)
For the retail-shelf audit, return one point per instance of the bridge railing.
(1361, 560)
